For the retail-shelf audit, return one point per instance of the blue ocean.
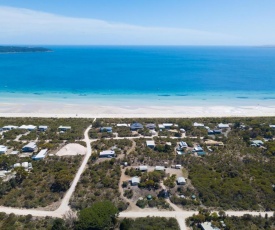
(150, 74)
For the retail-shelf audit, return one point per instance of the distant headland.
(22, 49)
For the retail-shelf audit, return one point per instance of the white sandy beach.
(91, 111)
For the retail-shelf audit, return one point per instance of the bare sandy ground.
(92, 111)
(72, 150)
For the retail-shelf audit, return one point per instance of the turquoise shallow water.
(143, 75)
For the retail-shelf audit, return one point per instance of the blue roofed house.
(106, 129)
(136, 126)
(199, 150)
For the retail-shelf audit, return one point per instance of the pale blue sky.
(160, 22)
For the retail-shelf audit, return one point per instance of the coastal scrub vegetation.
(98, 182)
(152, 223)
(222, 221)
(11, 222)
(236, 177)
(44, 184)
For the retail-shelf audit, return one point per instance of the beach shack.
(106, 129)
(196, 124)
(107, 154)
(142, 168)
(181, 181)
(64, 128)
(182, 131)
(150, 144)
(178, 166)
(199, 150)
(29, 147)
(41, 155)
(3, 149)
(28, 127)
(122, 125)
(42, 128)
(136, 126)
(16, 165)
(208, 226)
(159, 168)
(135, 181)
(223, 126)
(257, 143)
(25, 165)
(183, 145)
(210, 132)
(167, 125)
(9, 127)
(161, 126)
(151, 126)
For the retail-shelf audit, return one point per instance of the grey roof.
(31, 145)
(41, 154)
(135, 180)
(151, 126)
(181, 180)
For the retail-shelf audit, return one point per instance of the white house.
(161, 126)
(181, 181)
(182, 131)
(178, 166)
(159, 168)
(41, 155)
(64, 128)
(28, 127)
(142, 168)
(135, 181)
(167, 125)
(196, 124)
(150, 144)
(25, 165)
(257, 143)
(208, 226)
(16, 165)
(123, 125)
(223, 126)
(29, 147)
(9, 127)
(107, 153)
(272, 126)
(3, 149)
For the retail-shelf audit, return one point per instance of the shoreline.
(56, 110)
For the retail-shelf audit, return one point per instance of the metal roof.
(107, 152)
(31, 145)
(135, 180)
(181, 180)
(41, 154)
(150, 143)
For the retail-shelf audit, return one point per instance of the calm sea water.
(110, 73)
